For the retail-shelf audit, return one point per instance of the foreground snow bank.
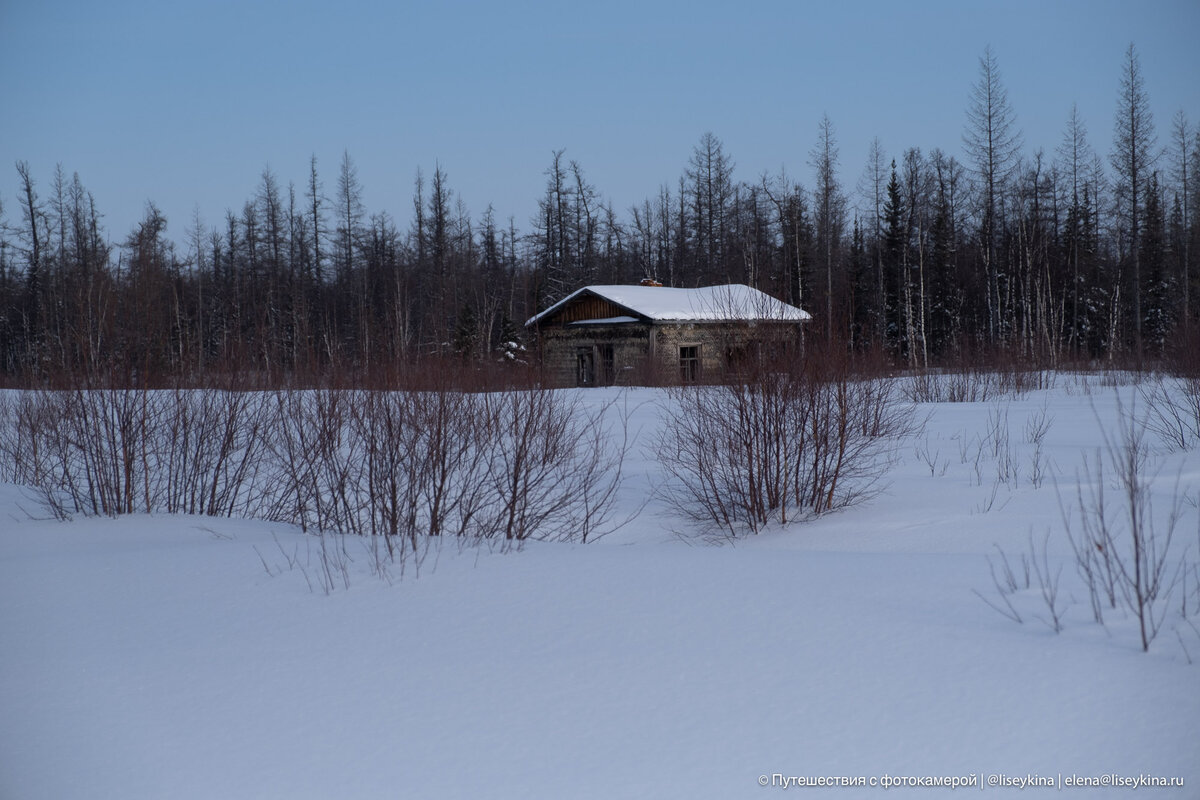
(150, 657)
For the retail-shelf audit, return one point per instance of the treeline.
(928, 257)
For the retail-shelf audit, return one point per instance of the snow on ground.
(154, 656)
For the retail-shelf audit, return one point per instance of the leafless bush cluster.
(1031, 566)
(1037, 425)
(1004, 578)
(778, 445)
(402, 465)
(995, 443)
(1173, 410)
(527, 463)
(973, 385)
(960, 386)
(931, 458)
(120, 451)
(1008, 470)
(1126, 555)
(1125, 549)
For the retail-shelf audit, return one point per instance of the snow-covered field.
(157, 657)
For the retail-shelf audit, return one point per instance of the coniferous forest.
(925, 257)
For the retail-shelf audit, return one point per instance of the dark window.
(742, 358)
(689, 363)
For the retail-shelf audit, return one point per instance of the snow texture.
(155, 656)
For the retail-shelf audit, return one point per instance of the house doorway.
(585, 367)
(595, 365)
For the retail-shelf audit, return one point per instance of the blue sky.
(185, 104)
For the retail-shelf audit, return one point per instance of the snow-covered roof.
(605, 321)
(727, 303)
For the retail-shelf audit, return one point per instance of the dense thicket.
(930, 258)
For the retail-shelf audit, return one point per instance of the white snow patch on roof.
(605, 321)
(726, 303)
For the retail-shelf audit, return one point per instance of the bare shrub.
(997, 431)
(1037, 425)
(1092, 546)
(963, 385)
(85, 451)
(1005, 582)
(333, 562)
(1147, 577)
(978, 377)
(8, 444)
(406, 465)
(1173, 410)
(1033, 566)
(312, 464)
(209, 444)
(32, 452)
(1126, 556)
(1037, 467)
(415, 463)
(1047, 583)
(110, 451)
(553, 468)
(1007, 468)
(931, 458)
(1090, 564)
(108, 440)
(970, 451)
(365, 462)
(778, 444)
(423, 471)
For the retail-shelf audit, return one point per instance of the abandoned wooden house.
(651, 334)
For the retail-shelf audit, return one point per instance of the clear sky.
(185, 103)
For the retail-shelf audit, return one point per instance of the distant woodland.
(926, 258)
